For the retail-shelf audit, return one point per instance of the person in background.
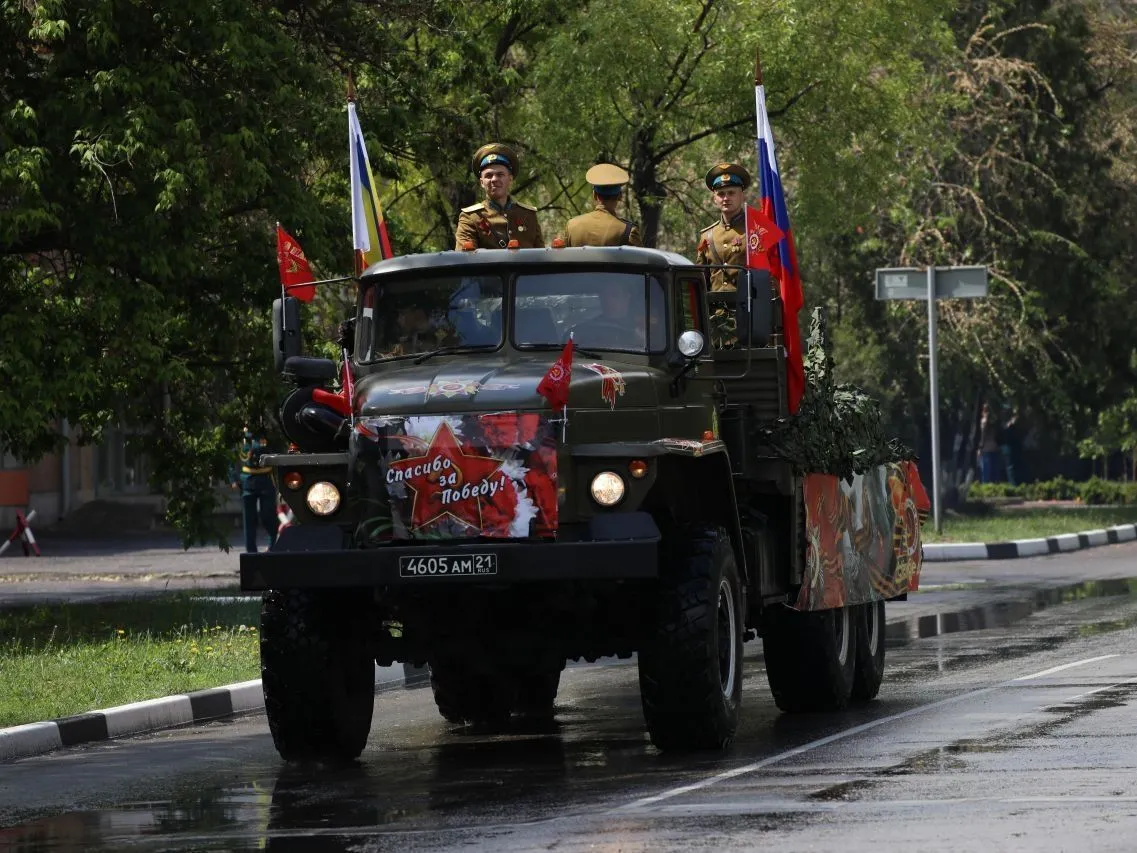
(258, 492)
(989, 453)
(603, 226)
(1009, 442)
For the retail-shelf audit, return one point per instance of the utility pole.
(932, 284)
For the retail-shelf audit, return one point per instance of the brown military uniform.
(723, 243)
(488, 226)
(601, 228)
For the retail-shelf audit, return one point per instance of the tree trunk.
(649, 192)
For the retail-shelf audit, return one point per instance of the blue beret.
(495, 160)
(727, 175)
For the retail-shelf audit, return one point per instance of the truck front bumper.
(314, 557)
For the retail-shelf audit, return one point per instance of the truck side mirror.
(285, 330)
(755, 312)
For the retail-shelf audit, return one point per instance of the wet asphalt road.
(1006, 722)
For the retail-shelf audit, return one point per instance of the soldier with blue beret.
(724, 241)
(499, 219)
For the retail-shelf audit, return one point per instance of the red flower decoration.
(500, 429)
(498, 511)
(541, 481)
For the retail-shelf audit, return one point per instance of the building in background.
(61, 483)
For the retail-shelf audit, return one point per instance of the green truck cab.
(450, 517)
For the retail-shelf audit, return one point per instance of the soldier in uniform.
(724, 242)
(602, 227)
(499, 219)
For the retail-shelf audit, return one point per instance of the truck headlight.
(323, 498)
(607, 488)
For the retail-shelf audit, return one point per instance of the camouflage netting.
(837, 428)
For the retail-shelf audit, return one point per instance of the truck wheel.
(319, 683)
(691, 662)
(466, 696)
(536, 692)
(810, 657)
(870, 651)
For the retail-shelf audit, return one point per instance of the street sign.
(932, 284)
(912, 283)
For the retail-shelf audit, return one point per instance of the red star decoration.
(430, 486)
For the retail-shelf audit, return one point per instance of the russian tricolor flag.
(368, 227)
(784, 263)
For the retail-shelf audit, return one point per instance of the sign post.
(938, 283)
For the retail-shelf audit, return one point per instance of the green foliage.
(1092, 492)
(57, 660)
(838, 428)
(145, 157)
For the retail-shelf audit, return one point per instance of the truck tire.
(536, 692)
(870, 651)
(810, 657)
(690, 665)
(464, 695)
(318, 681)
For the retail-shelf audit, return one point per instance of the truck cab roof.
(630, 257)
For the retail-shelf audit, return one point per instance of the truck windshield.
(603, 310)
(414, 316)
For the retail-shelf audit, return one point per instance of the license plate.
(447, 565)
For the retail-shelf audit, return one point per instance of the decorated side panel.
(862, 536)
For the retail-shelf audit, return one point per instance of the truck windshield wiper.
(458, 348)
(591, 353)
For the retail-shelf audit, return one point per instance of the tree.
(145, 158)
(1022, 183)
(678, 96)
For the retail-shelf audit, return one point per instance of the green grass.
(1005, 525)
(58, 660)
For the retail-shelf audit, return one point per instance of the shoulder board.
(473, 208)
(523, 206)
(708, 228)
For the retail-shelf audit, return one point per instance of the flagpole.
(757, 66)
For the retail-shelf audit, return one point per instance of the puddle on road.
(1002, 614)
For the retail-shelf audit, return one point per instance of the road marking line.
(833, 738)
(1098, 690)
(781, 806)
(1054, 669)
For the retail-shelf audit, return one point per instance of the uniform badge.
(520, 227)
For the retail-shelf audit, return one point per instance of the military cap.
(607, 180)
(495, 154)
(727, 175)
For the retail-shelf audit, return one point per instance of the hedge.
(1094, 491)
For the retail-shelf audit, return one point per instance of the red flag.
(554, 387)
(294, 267)
(762, 237)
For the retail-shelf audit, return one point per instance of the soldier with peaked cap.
(499, 219)
(724, 242)
(602, 227)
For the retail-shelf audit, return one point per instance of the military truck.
(448, 516)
